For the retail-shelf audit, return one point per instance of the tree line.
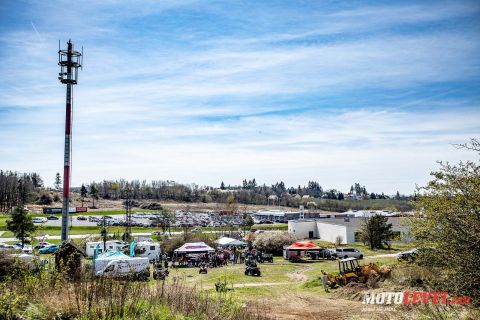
(18, 189)
(22, 188)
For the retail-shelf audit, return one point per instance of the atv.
(268, 257)
(252, 270)
(160, 273)
(203, 269)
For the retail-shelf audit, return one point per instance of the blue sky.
(204, 91)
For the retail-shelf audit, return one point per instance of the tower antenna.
(69, 61)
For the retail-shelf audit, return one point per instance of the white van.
(343, 253)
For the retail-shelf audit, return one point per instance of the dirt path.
(387, 255)
(245, 285)
(305, 305)
(298, 274)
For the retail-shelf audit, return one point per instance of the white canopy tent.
(230, 242)
(194, 247)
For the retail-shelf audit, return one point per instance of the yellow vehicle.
(351, 271)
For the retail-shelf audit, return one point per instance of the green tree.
(448, 219)
(247, 223)
(83, 193)
(20, 224)
(58, 181)
(93, 194)
(376, 231)
(222, 186)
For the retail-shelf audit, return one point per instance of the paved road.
(388, 255)
(77, 236)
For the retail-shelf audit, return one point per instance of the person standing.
(325, 281)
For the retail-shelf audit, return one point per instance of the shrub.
(151, 206)
(45, 199)
(273, 242)
(338, 241)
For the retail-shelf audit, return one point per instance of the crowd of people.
(221, 257)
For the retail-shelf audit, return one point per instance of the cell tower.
(69, 62)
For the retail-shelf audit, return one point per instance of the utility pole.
(128, 215)
(69, 62)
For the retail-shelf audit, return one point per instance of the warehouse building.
(348, 228)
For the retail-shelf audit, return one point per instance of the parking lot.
(145, 219)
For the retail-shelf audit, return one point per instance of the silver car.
(343, 253)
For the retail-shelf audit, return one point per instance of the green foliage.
(448, 219)
(45, 199)
(93, 193)
(58, 181)
(376, 231)
(83, 191)
(21, 224)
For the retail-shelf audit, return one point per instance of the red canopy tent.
(303, 245)
(298, 249)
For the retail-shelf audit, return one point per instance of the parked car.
(196, 230)
(39, 220)
(28, 249)
(49, 249)
(4, 246)
(348, 253)
(93, 219)
(42, 244)
(411, 255)
(322, 254)
(52, 218)
(82, 218)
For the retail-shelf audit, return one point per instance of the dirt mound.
(352, 291)
(311, 306)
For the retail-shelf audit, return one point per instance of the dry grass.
(49, 296)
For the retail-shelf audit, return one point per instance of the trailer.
(111, 245)
(148, 249)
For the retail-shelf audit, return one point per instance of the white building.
(347, 228)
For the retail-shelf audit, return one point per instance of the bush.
(338, 241)
(45, 199)
(151, 206)
(273, 242)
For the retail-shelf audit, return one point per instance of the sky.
(339, 92)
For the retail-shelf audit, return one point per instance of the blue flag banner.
(95, 253)
(132, 249)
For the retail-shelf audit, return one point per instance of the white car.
(39, 220)
(43, 244)
(28, 249)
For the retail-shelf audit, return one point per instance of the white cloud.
(196, 113)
